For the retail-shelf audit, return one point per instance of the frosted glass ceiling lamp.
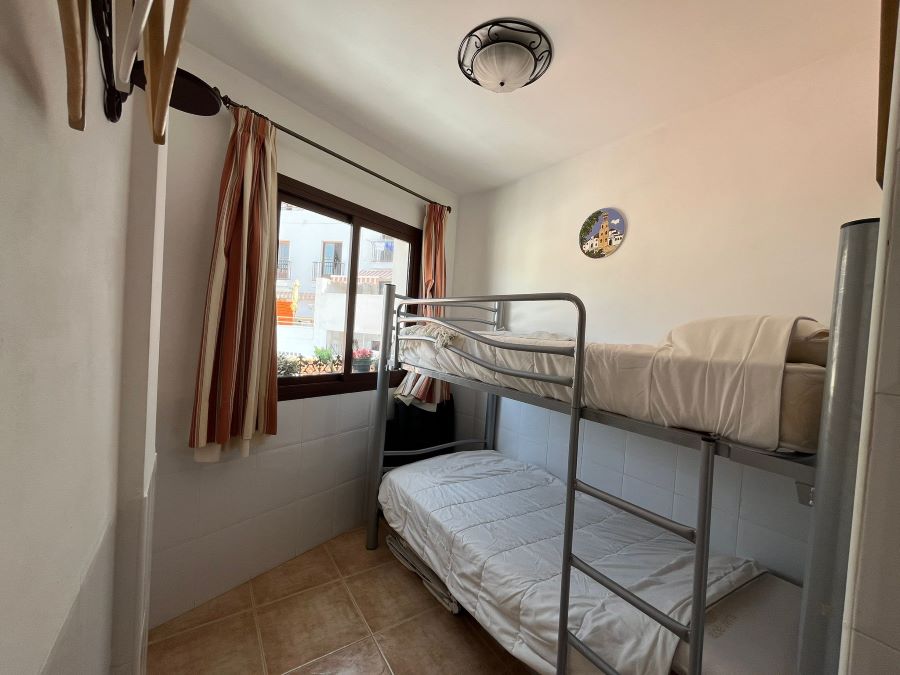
(504, 54)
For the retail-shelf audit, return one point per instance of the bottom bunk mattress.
(491, 528)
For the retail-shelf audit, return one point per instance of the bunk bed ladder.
(699, 536)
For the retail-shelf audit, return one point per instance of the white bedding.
(491, 528)
(726, 376)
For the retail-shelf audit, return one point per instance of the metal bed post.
(571, 478)
(701, 551)
(490, 411)
(490, 421)
(376, 438)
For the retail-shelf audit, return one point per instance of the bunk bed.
(498, 536)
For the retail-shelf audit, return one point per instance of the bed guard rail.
(398, 312)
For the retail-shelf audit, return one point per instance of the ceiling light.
(504, 54)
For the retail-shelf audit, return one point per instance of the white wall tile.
(174, 460)
(276, 476)
(229, 493)
(349, 501)
(650, 460)
(348, 453)
(174, 574)
(649, 496)
(772, 549)
(275, 537)
(176, 510)
(508, 442)
(723, 529)
(354, 410)
(509, 414)
(315, 518)
(726, 479)
(289, 421)
(603, 445)
(871, 657)
(558, 445)
(879, 548)
(532, 451)
(320, 417)
(317, 464)
(227, 558)
(534, 423)
(770, 500)
(608, 480)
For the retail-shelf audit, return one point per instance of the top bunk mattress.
(726, 394)
(491, 528)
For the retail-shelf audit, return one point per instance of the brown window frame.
(305, 196)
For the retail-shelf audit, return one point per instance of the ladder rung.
(683, 531)
(591, 655)
(654, 613)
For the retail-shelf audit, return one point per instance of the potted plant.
(362, 360)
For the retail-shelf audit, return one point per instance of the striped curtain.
(418, 389)
(236, 393)
(434, 264)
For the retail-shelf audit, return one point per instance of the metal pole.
(490, 421)
(376, 437)
(701, 551)
(562, 652)
(231, 103)
(828, 551)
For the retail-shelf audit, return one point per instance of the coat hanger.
(128, 29)
(73, 19)
(121, 27)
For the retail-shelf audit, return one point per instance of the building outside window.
(334, 258)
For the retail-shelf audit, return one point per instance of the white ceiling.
(385, 72)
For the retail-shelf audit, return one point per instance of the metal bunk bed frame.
(397, 314)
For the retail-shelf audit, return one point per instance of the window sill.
(296, 387)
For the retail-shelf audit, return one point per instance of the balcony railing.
(327, 268)
(283, 269)
(382, 251)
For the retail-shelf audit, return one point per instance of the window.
(283, 269)
(334, 258)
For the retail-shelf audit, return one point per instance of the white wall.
(871, 640)
(734, 208)
(731, 209)
(218, 525)
(64, 205)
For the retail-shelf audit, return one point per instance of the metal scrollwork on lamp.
(503, 55)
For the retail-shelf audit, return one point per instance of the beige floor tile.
(360, 658)
(309, 569)
(437, 643)
(308, 625)
(226, 647)
(389, 594)
(234, 601)
(350, 552)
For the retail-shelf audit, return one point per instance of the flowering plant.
(362, 353)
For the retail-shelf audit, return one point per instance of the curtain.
(434, 265)
(236, 394)
(418, 389)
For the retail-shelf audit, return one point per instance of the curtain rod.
(230, 103)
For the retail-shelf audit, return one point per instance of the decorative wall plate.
(602, 233)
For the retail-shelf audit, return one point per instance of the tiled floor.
(335, 609)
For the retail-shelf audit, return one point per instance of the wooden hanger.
(166, 65)
(73, 19)
(128, 25)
